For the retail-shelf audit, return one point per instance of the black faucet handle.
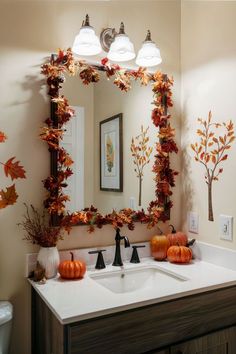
(135, 257)
(100, 264)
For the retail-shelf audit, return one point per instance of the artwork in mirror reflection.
(99, 102)
(111, 157)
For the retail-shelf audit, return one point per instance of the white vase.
(48, 258)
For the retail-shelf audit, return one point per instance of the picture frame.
(111, 153)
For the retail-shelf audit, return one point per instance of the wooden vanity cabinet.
(198, 324)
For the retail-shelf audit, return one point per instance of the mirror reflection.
(112, 142)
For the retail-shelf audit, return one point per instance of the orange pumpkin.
(177, 238)
(73, 269)
(159, 246)
(179, 254)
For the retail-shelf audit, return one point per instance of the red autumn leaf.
(207, 158)
(213, 158)
(224, 157)
(13, 169)
(202, 155)
(9, 197)
(104, 61)
(3, 137)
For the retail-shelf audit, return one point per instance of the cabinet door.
(221, 342)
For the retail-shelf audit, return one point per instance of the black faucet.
(117, 260)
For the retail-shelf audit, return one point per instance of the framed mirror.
(109, 163)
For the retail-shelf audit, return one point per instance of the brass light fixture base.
(107, 36)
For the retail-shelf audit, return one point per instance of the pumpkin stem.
(191, 242)
(173, 231)
(72, 256)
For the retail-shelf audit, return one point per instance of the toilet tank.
(6, 314)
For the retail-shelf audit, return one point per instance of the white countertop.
(77, 300)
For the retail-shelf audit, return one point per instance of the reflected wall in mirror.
(99, 102)
(147, 176)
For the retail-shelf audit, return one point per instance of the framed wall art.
(111, 154)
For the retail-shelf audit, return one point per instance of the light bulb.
(86, 42)
(122, 48)
(149, 54)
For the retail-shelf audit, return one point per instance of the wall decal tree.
(211, 152)
(141, 156)
(14, 170)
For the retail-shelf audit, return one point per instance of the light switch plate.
(193, 221)
(226, 227)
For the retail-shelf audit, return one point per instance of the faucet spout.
(117, 260)
(126, 240)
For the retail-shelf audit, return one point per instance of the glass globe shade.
(121, 49)
(86, 42)
(148, 55)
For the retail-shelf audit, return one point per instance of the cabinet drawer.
(221, 342)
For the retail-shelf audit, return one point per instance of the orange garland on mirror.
(52, 133)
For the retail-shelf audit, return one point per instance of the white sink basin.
(137, 279)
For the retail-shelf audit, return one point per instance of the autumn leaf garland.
(52, 133)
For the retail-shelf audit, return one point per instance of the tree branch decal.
(141, 156)
(211, 152)
(13, 170)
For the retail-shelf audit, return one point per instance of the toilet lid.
(6, 312)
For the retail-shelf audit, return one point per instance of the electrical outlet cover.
(226, 227)
(193, 221)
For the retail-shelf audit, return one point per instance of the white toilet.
(6, 314)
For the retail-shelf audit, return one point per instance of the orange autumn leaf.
(231, 139)
(213, 158)
(200, 132)
(3, 137)
(13, 169)
(9, 197)
(230, 126)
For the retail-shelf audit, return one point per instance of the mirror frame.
(61, 113)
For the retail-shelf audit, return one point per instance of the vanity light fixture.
(118, 45)
(149, 54)
(121, 49)
(86, 42)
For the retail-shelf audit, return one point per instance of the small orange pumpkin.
(177, 238)
(179, 254)
(159, 245)
(73, 269)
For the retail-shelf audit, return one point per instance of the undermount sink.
(142, 278)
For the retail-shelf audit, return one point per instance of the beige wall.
(30, 31)
(208, 58)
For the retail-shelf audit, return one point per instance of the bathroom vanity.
(197, 315)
